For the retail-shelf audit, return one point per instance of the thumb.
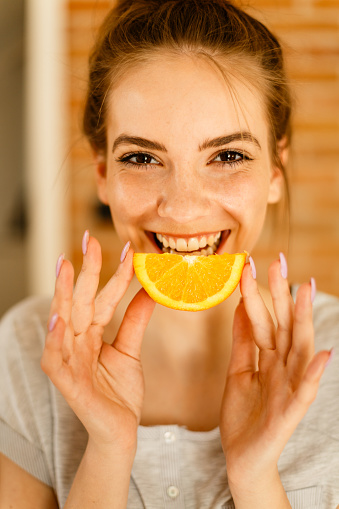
(243, 356)
(132, 329)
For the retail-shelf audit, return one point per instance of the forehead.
(184, 98)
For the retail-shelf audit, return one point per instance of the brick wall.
(309, 30)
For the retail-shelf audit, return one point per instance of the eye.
(231, 157)
(138, 159)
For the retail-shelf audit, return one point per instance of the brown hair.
(231, 39)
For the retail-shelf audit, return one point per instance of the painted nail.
(53, 322)
(59, 264)
(253, 269)
(84, 243)
(125, 251)
(313, 289)
(330, 357)
(283, 265)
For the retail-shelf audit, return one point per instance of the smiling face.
(187, 165)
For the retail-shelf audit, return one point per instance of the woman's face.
(177, 173)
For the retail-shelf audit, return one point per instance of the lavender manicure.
(53, 322)
(84, 243)
(313, 289)
(283, 265)
(330, 357)
(59, 264)
(125, 251)
(253, 269)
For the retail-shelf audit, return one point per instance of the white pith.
(199, 245)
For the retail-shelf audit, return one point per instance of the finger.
(302, 348)
(133, 326)
(244, 352)
(308, 387)
(52, 360)
(52, 357)
(261, 321)
(63, 293)
(86, 285)
(283, 307)
(110, 296)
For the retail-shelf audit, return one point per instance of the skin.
(186, 192)
(255, 380)
(181, 103)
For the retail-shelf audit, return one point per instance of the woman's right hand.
(102, 383)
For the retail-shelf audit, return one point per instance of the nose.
(184, 198)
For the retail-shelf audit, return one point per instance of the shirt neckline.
(155, 432)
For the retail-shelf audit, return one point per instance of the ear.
(101, 177)
(277, 177)
(283, 150)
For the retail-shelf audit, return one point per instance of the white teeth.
(202, 242)
(193, 244)
(172, 243)
(181, 245)
(211, 240)
(207, 245)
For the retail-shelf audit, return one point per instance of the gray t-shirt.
(174, 467)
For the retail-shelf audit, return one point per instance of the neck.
(183, 334)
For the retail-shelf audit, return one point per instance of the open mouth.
(200, 245)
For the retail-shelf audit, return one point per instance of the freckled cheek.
(129, 203)
(243, 198)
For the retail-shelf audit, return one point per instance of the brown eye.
(230, 156)
(140, 159)
(143, 158)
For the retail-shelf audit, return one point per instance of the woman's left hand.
(272, 380)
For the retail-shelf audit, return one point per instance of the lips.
(206, 244)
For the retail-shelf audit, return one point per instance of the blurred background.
(47, 190)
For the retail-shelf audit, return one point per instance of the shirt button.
(172, 491)
(169, 437)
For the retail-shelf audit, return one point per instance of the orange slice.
(189, 283)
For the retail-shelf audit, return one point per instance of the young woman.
(137, 405)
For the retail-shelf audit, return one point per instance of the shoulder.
(31, 307)
(309, 463)
(325, 319)
(22, 339)
(326, 312)
(25, 413)
(25, 323)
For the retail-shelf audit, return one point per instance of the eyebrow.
(126, 139)
(225, 140)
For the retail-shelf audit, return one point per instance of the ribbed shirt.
(174, 468)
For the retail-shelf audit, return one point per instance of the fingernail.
(125, 251)
(84, 243)
(313, 288)
(58, 265)
(253, 269)
(52, 322)
(283, 265)
(330, 357)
